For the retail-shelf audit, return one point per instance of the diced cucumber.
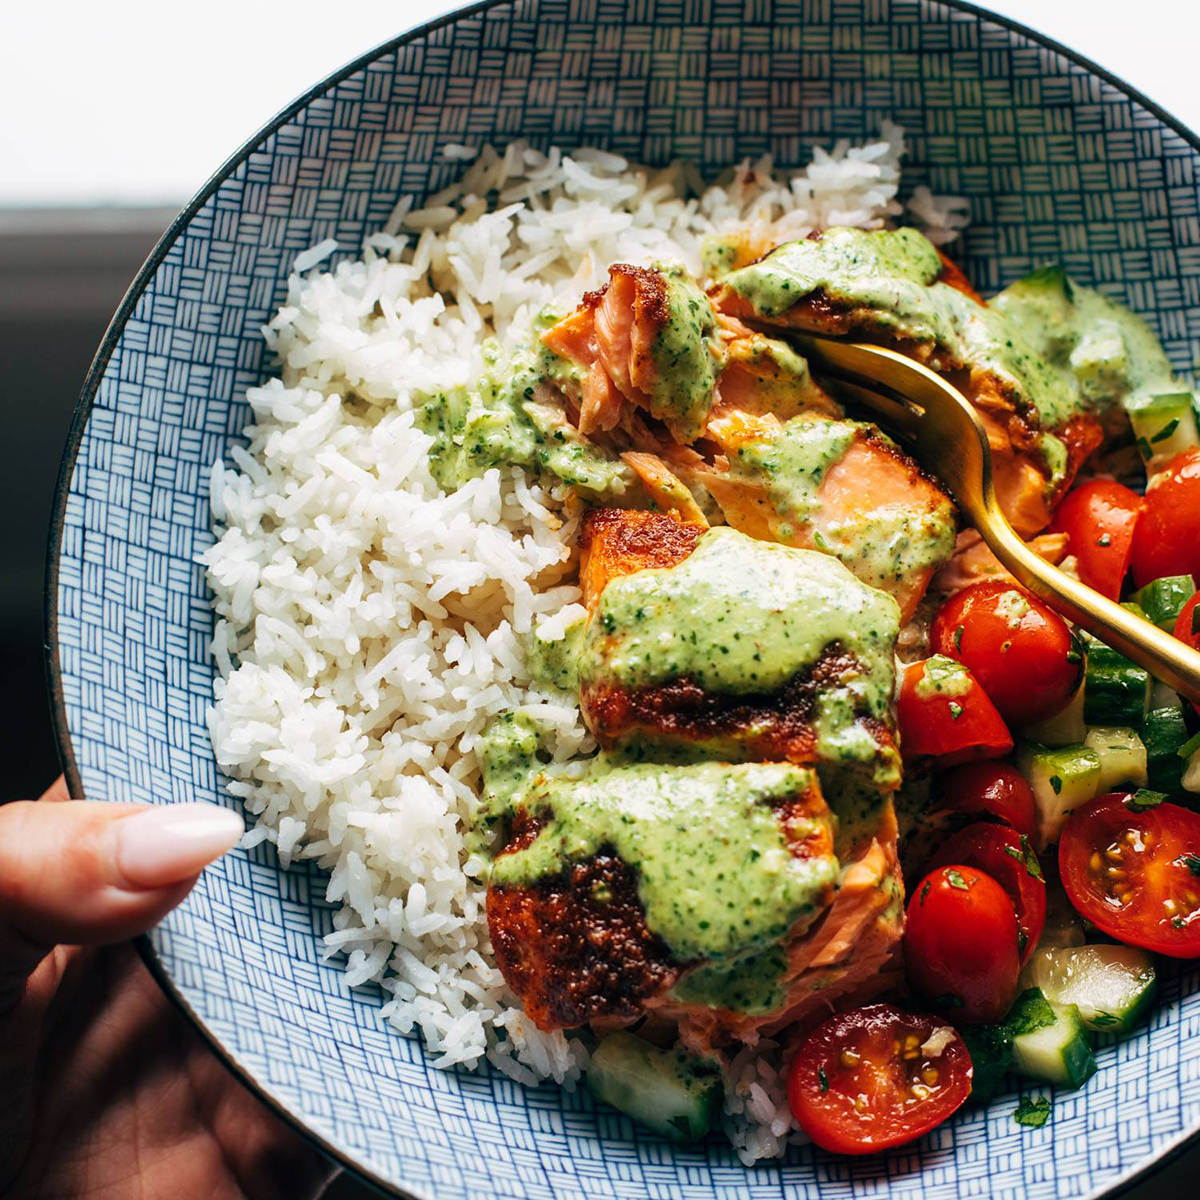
(1163, 425)
(1162, 599)
(1066, 728)
(1117, 691)
(671, 1092)
(1057, 1046)
(1112, 986)
(1062, 779)
(1122, 756)
(1164, 731)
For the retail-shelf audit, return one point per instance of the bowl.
(1060, 162)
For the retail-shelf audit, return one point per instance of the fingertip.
(171, 843)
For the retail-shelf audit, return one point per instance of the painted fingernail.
(173, 842)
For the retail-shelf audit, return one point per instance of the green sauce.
(554, 664)
(1095, 344)
(685, 369)
(880, 548)
(502, 421)
(944, 677)
(743, 616)
(715, 875)
(751, 984)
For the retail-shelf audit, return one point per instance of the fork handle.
(1164, 656)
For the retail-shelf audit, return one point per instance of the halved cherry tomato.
(1134, 871)
(943, 713)
(861, 1082)
(1010, 860)
(960, 944)
(1019, 649)
(1187, 628)
(1099, 519)
(992, 790)
(1167, 538)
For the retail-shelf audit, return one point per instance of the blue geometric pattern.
(1059, 164)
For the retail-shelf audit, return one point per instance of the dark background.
(62, 275)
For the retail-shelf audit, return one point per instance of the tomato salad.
(1060, 851)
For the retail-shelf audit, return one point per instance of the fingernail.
(173, 842)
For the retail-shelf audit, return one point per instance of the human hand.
(108, 1093)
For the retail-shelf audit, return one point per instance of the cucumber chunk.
(1162, 599)
(1113, 987)
(1164, 731)
(1055, 1045)
(1117, 691)
(1163, 426)
(1066, 728)
(671, 1092)
(1062, 779)
(1122, 756)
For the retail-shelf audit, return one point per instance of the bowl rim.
(341, 1156)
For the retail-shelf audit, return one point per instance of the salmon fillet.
(778, 725)
(1012, 423)
(849, 950)
(575, 947)
(872, 492)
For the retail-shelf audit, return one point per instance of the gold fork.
(937, 423)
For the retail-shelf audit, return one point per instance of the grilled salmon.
(837, 486)
(893, 287)
(714, 642)
(600, 897)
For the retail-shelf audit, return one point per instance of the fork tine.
(899, 418)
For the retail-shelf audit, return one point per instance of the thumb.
(80, 872)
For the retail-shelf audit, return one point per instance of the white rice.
(370, 625)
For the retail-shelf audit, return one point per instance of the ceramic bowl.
(1060, 161)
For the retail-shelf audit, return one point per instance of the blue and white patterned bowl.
(1060, 161)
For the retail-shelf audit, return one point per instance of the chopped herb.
(956, 710)
(1031, 859)
(1013, 852)
(956, 880)
(949, 1000)
(1143, 799)
(958, 638)
(1104, 1020)
(1022, 941)
(1005, 647)
(925, 892)
(1033, 1111)
(1104, 540)
(1177, 922)
(1196, 619)
(1166, 431)
(1191, 861)
(1056, 784)
(824, 1079)
(1144, 447)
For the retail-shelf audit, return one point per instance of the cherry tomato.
(993, 790)
(1019, 649)
(1010, 860)
(1187, 628)
(960, 944)
(943, 713)
(1167, 538)
(1099, 519)
(1134, 872)
(861, 1081)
